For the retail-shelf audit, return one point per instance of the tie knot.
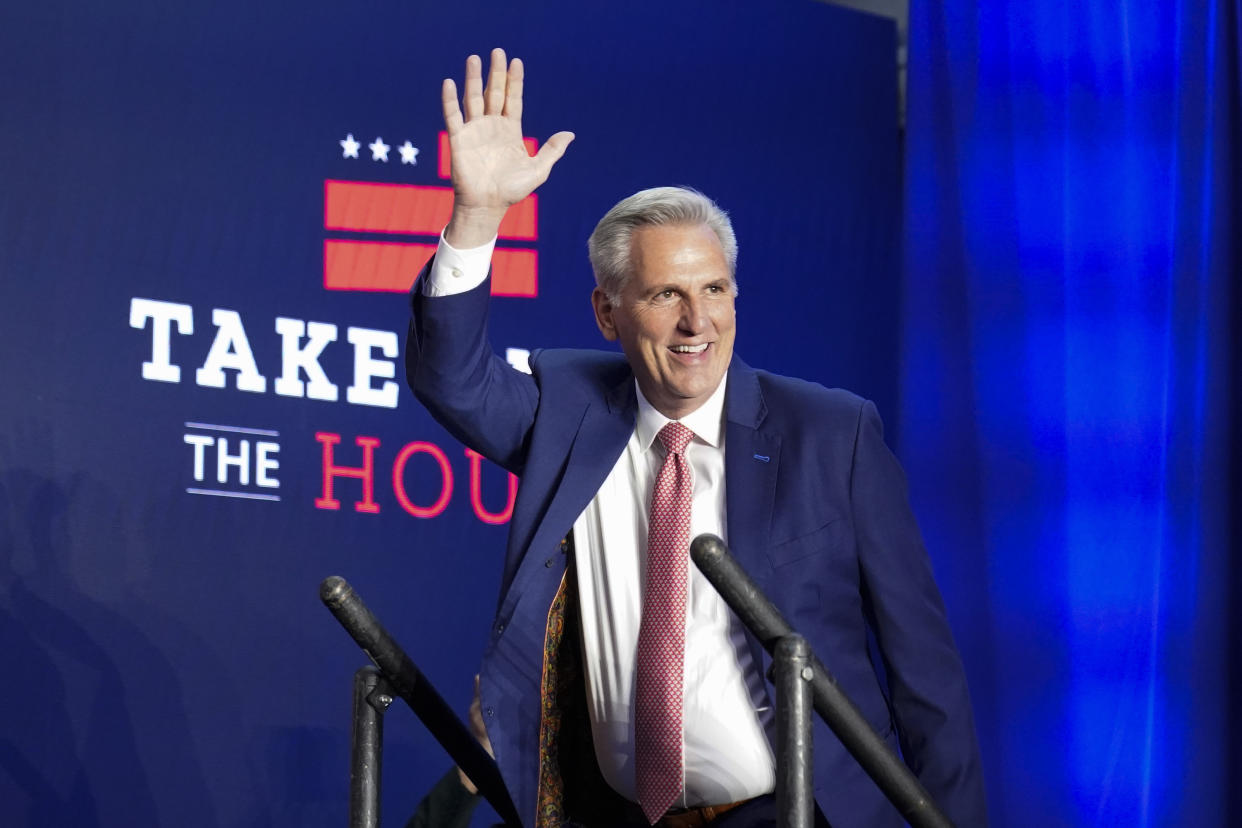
(675, 437)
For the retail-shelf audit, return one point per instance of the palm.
(490, 163)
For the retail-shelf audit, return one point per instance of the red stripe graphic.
(446, 163)
(415, 210)
(371, 207)
(392, 267)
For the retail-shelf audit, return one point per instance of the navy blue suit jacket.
(817, 514)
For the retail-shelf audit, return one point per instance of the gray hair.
(609, 245)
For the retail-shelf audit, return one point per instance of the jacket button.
(491, 711)
(564, 545)
(500, 627)
(548, 562)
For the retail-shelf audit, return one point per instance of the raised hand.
(491, 169)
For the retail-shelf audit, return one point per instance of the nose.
(693, 315)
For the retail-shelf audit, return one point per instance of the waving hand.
(491, 169)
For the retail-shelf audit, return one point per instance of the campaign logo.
(382, 233)
(379, 235)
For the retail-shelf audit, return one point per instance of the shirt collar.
(706, 421)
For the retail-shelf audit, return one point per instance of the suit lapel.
(752, 462)
(605, 428)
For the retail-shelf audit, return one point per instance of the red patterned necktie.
(662, 632)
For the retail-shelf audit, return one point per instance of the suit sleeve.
(926, 680)
(482, 400)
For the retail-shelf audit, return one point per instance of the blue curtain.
(1068, 392)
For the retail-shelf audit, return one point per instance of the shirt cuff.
(457, 271)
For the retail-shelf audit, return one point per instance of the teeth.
(690, 349)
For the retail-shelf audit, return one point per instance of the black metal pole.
(795, 785)
(763, 619)
(372, 695)
(410, 684)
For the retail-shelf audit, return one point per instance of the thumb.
(553, 149)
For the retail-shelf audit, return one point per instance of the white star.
(409, 153)
(350, 146)
(379, 150)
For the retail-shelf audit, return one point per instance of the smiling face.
(674, 317)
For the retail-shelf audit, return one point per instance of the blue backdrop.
(1070, 355)
(1056, 362)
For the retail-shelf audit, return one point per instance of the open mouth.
(689, 349)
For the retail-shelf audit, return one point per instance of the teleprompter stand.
(802, 684)
(374, 691)
(795, 668)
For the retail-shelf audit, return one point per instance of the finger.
(473, 98)
(513, 91)
(495, 95)
(448, 102)
(552, 150)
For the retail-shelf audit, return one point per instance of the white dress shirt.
(727, 754)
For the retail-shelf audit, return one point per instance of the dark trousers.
(759, 812)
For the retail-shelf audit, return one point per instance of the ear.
(603, 314)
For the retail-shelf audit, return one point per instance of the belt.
(696, 817)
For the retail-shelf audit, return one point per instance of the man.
(617, 688)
